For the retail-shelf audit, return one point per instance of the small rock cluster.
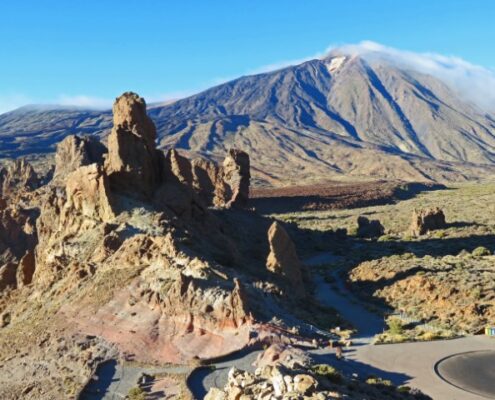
(266, 383)
(369, 228)
(426, 220)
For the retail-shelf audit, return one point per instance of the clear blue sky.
(52, 49)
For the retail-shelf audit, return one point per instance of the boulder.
(426, 220)
(74, 152)
(133, 163)
(305, 384)
(369, 229)
(236, 176)
(283, 260)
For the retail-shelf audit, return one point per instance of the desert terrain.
(135, 273)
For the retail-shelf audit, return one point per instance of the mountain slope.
(332, 118)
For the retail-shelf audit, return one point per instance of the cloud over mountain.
(475, 82)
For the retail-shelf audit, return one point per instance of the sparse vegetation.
(136, 393)
(481, 251)
(432, 277)
(327, 371)
(395, 326)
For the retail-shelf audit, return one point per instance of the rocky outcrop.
(8, 276)
(208, 308)
(133, 163)
(74, 152)
(283, 260)
(219, 186)
(426, 220)
(178, 168)
(369, 229)
(25, 269)
(88, 194)
(18, 176)
(208, 181)
(236, 174)
(17, 238)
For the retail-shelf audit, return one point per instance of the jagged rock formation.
(283, 260)
(209, 182)
(426, 220)
(133, 163)
(74, 152)
(18, 176)
(125, 245)
(17, 239)
(236, 176)
(88, 194)
(369, 229)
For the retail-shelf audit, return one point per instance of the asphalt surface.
(472, 371)
(113, 381)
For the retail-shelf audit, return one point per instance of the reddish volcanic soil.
(334, 195)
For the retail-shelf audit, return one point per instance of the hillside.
(339, 117)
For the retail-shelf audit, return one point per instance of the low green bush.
(136, 393)
(481, 251)
(328, 372)
(395, 326)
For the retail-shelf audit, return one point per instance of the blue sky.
(91, 51)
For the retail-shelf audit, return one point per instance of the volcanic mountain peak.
(349, 114)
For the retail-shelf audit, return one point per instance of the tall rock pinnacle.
(133, 161)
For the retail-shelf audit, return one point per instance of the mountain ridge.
(339, 117)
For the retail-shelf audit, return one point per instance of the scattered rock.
(369, 229)
(283, 260)
(426, 220)
(305, 384)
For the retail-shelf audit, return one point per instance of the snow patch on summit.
(335, 63)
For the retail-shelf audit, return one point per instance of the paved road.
(473, 371)
(411, 364)
(115, 380)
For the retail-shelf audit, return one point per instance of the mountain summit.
(343, 115)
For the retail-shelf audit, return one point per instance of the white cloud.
(474, 82)
(84, 101)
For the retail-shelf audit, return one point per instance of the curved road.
(474, 371)
(411, 364)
